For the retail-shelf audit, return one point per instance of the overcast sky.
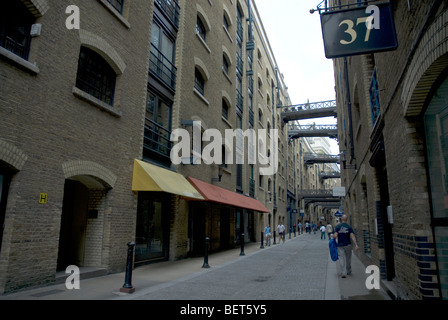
(295, 36)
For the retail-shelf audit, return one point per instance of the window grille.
(96, 76)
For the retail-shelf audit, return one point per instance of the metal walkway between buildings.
(309, 111)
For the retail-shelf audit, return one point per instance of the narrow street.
(299, 269)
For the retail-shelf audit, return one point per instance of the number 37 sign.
(359, 30)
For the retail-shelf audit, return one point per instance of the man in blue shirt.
(345, 237)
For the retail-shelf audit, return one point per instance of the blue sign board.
(359, 30)
(338, 214)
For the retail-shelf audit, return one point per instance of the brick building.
(86, 116)
(394, 142)
(71, 101)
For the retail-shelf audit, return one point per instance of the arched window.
(199, 82)
(15, 28)
(200, 29)
(225, 109)
(95, 76)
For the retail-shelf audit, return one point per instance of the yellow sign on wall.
(43, 198)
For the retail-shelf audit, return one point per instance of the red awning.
(219, 195)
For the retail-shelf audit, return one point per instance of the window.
(225, 65)
(200, 29)
(226, 23)
(158, 126)
(199, 82)
(117, 4)
(15, 28)
(374, 98)
(225, 110)
(96, 76)
(162, 56)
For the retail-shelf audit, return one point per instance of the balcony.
(162, 68)
(171, 9)
(252, 188)
(157, 143)
(239, 101)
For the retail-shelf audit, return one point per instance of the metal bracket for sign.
(323, 6)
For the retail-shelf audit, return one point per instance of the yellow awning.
(148, 177)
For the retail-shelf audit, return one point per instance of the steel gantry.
(313, 130)
(309, 111)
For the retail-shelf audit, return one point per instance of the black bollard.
(242, 245)
(205, 265)
(274, 238)
(262, 240)
(127, 287)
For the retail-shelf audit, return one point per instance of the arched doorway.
(82, 222)
(436, 130)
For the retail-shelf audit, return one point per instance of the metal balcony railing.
(311, 158)
(239, 101)
(163, 68)
(171, 9)
(252, 188)
(157, 138)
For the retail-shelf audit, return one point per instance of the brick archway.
(428, 63)
(79, 168)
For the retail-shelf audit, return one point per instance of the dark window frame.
(117, 5)
(200, 29)
(15, 28)
(95, 76)
(199, 81)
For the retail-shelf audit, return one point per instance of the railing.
(15, 47)
(171, 9)
(324, 127)
(239, 100)
(252, 188)
(310, 158)
(157, 138)
(251, 117)
(315, 194)
(311, 106)
(162, 67)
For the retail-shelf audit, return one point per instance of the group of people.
(342, 232)
(268, 235)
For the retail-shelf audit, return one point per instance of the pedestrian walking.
(322, 232)
(329, 230)
(314, 227)
(281, 232)
(307, 227)
(300, 228)
(345, 237)
(267, 234)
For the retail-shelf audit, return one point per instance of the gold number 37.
(353, 35)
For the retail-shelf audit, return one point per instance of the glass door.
(152, 234)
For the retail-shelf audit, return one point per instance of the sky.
(295, 36)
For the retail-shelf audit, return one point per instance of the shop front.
(158, 191)
(222, 218)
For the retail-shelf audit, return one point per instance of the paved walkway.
(299, 269)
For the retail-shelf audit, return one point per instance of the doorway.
(196, 229)
(5, 179)
(436, 131)
(73, 225)
(383, 221)
(153, 227)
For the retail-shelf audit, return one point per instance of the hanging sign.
(359, 30)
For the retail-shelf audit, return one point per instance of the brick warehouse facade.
(68, 145)
(395, 151)
(62, 141)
